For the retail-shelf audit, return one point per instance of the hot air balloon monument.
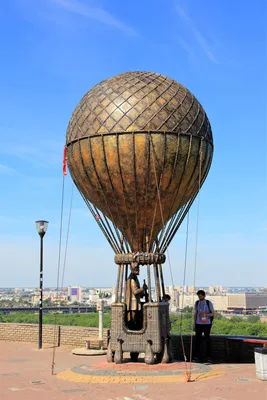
(139, 147)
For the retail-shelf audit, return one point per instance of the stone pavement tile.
(238, 381)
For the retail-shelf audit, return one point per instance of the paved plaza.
(25, 373)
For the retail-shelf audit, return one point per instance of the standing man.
(133, 298)
(204, 314)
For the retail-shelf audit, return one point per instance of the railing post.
(100, 306)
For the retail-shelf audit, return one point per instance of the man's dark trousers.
(200, 329)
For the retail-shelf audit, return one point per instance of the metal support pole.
(121, 283)
(148, 272)
(149, 283)
(162, 281)
(156, 276)
(40, 344)
(118, 284)
(100, 334)
(125, 282)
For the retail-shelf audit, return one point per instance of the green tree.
(187, 309)
(253, 318)
(219, 316)
(236, 319)
(181, 323)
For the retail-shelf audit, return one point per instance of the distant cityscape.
(233, 300)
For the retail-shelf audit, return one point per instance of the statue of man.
(134, 294)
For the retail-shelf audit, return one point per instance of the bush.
(253, 318)
(181, 323)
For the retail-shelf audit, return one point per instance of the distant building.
(174, 303)
(191, 289)
(212, 289)
(220, 302)
(246, 302)
(186, 300)
(58, 299)
(74, 294)
(35, 299)
(219, 289)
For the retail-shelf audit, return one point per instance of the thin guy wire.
(75, 178)
(161, 211)
(58, 269)
(196, 248)
(67, 238)
(184, 279)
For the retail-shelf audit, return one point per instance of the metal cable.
(157, 189)
(58, 271)
(103, 227)
(184, 279)
(87, 202)
(100, 184)
(161, 211)
(67, 238)
(196, 249)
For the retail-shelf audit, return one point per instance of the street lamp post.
(41, 227)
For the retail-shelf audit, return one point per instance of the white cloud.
(203, 43)
(181, 12)
(185, 46)
(199, 37)
(96, 13)
(46, 154)
(5, 170)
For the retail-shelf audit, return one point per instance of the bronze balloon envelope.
(139, 146)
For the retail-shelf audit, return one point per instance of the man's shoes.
(195, 360)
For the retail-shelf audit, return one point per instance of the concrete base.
(90, 352)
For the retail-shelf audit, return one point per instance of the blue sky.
(54, 51)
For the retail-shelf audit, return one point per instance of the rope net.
(116, 215)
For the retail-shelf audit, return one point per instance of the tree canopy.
(235, 326)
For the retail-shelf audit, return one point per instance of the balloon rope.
(179, 217)
(58, 271)
(105, 228)
(115, 202)
(157, 184)
(156, 206)
(67, 239)
(161, 211)
(124, 195)
(101, 187)
(63, 275)
(177, 189)
(180, 214)
(184, 279)
(196, 252)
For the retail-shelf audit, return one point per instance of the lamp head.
(41, 227)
